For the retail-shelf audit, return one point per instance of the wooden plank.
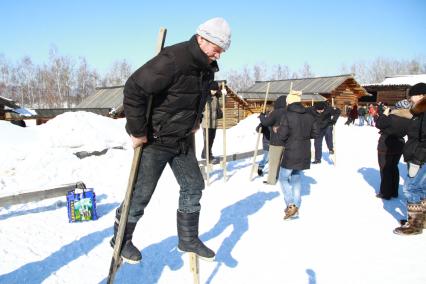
(39, 195)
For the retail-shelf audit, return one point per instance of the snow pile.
(84, 131)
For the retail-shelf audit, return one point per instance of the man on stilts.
(177, 81)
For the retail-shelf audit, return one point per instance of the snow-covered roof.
(409, 80)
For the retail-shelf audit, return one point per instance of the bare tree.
(280, 72)
(306, 71)
(118, 74)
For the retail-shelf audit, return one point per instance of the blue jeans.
(186, 171)
(265, 159)
(291, 185)
(361, 120)
(415, 188)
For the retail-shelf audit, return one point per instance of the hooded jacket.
(176, 83)
(296, 129)
(273, 119)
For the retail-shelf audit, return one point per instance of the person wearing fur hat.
(163, 103)
(297, 128)
(414, 153)
(326, 117)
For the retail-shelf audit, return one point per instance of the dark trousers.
(328, 134)
(212, 135)
(389, 174)
(186, 171)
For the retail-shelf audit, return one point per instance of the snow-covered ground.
(343, 235)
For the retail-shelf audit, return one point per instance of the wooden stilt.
(224, 132)
(194, 267)
(253, 166)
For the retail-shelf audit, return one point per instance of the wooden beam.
(40, 194)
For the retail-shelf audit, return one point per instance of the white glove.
(224, 92)
(412, 169)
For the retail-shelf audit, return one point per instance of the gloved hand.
(413, 169)
(224, 92)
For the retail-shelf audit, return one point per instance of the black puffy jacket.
(328, 117)
(177, 81)
(415, 147)
(274, 118)
(297, 127)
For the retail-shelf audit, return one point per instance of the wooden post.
(224, 132)
(116, 259)
(194, 267)
(253, 167)
(206, 145)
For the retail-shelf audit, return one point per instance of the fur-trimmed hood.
(419, 107)
(403, 112)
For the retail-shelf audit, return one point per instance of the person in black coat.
(393, 127)
(414, 153)
(276, 145)
(296, 129)
(163, 103)
(326, 117)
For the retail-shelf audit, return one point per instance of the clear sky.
(326, 34)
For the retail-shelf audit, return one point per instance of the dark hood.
(296, 107)
(280, 102)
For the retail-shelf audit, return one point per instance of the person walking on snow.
(177, 81)
(393, 127)
(326, 117)
(266, 133)
(297, 128)
(276, 145)
(214, 113)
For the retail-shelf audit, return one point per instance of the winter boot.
(414, 225)
(290, 211)
(260, 172)
(187, 226)
(129, 252)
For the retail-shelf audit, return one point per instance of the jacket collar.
(201, 59)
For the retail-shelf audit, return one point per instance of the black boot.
(187, 226)
(129, 252)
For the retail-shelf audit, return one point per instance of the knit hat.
(417, 89)
(319, 105)
(217, 31)
(403, 104)
(294, 97)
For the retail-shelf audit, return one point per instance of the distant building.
(342, 90)
(394, 88)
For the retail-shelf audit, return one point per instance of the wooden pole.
(137, 154)
(194, 267)
(253, 166)
(224, 132)
(206, 145)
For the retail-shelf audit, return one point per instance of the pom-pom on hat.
(294, 97)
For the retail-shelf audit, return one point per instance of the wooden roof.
(105, 97)
(8, 102)
(308, 86)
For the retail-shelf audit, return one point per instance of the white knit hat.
(294, 97)
(217, 31)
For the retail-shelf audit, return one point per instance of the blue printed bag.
(81, 205)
